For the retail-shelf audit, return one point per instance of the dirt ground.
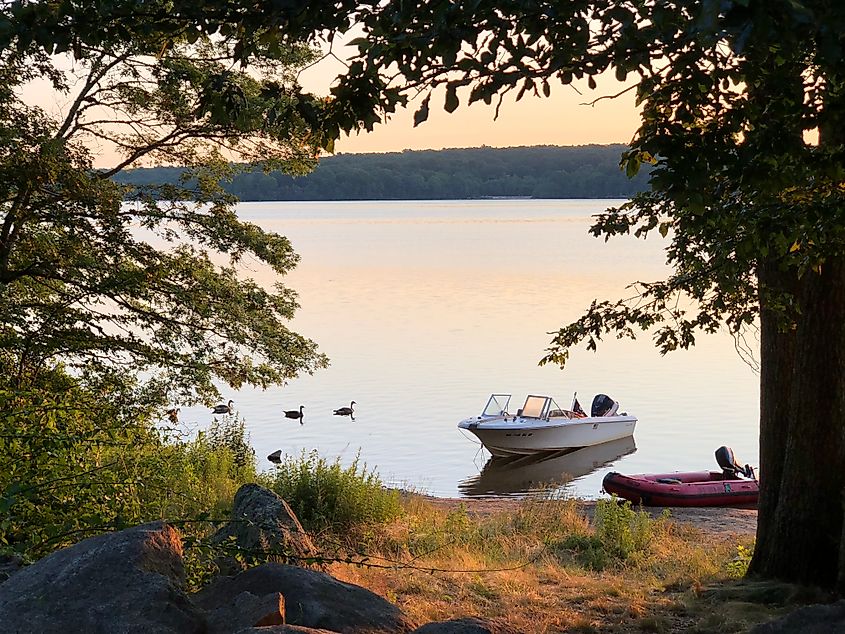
(715, 521)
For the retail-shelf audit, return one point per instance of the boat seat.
(560, 413)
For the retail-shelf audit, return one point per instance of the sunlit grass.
(545, 566)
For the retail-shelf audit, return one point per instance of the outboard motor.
(730, 467)
(603, 405)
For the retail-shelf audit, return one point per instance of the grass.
(545, 566)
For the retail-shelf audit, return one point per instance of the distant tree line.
(586, 171)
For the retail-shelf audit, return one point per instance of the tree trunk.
(777, 350)
(801, 441)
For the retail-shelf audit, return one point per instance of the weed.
(326, 496)
(738, 566)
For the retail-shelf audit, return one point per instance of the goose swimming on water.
(345, 411)
(223, 409)
(293, 413)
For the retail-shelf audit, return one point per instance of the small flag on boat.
(576, 407)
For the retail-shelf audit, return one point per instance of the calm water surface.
(425, 308)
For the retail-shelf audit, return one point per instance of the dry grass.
(544, 566)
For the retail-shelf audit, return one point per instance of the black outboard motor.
(730, 467)
(603, 405)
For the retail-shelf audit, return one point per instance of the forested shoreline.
(585, 171)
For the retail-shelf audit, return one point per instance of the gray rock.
(467, 625)
(312, 599)
(811, 619)
(263, 522)
(116, 583)
(9, 565)
(246, 610)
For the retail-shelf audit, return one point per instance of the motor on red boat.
(730, 467)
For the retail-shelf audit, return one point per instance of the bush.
(75, 464)
(325, 495)
(621, 534)
(622, 531)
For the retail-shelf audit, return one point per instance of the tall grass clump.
(327, 496)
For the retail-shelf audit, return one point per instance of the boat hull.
(503, 438)
(700, 488)
(526, 475)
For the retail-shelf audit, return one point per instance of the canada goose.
(223, 409)
(292, 413)
(345, 411)
(173, 415)
(275, 457)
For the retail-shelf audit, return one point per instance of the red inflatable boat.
(698, 488)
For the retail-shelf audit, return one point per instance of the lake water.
(426, 308)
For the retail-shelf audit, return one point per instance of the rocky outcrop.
(132, 581)
(312, 599)
(120, 582)
(262, 522)
(811, 619)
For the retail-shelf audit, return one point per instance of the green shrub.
(74, 464)
(622, 531)
(325, 495)
(230, 433)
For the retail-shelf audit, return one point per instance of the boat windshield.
(536, 406)
(497, 405)
(540, 407)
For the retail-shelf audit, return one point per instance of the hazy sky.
(561, 119)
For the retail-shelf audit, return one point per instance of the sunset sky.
(564, 118)
(561, 119)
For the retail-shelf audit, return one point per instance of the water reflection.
(524, 475)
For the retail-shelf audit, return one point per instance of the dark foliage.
(586, 171)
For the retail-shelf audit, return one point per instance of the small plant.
(622, 531)
(325, 495)
(231, 434)
(738, 566)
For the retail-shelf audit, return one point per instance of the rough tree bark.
(801, 441)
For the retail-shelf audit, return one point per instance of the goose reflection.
(530, 474)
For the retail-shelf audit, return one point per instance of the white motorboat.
(541, 425)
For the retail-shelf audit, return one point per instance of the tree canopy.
(153, 288)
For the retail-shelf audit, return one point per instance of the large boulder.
(262, 522)
(312, 599)
(811, 619)
(120, 582)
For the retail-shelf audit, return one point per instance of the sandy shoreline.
(720, 521)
